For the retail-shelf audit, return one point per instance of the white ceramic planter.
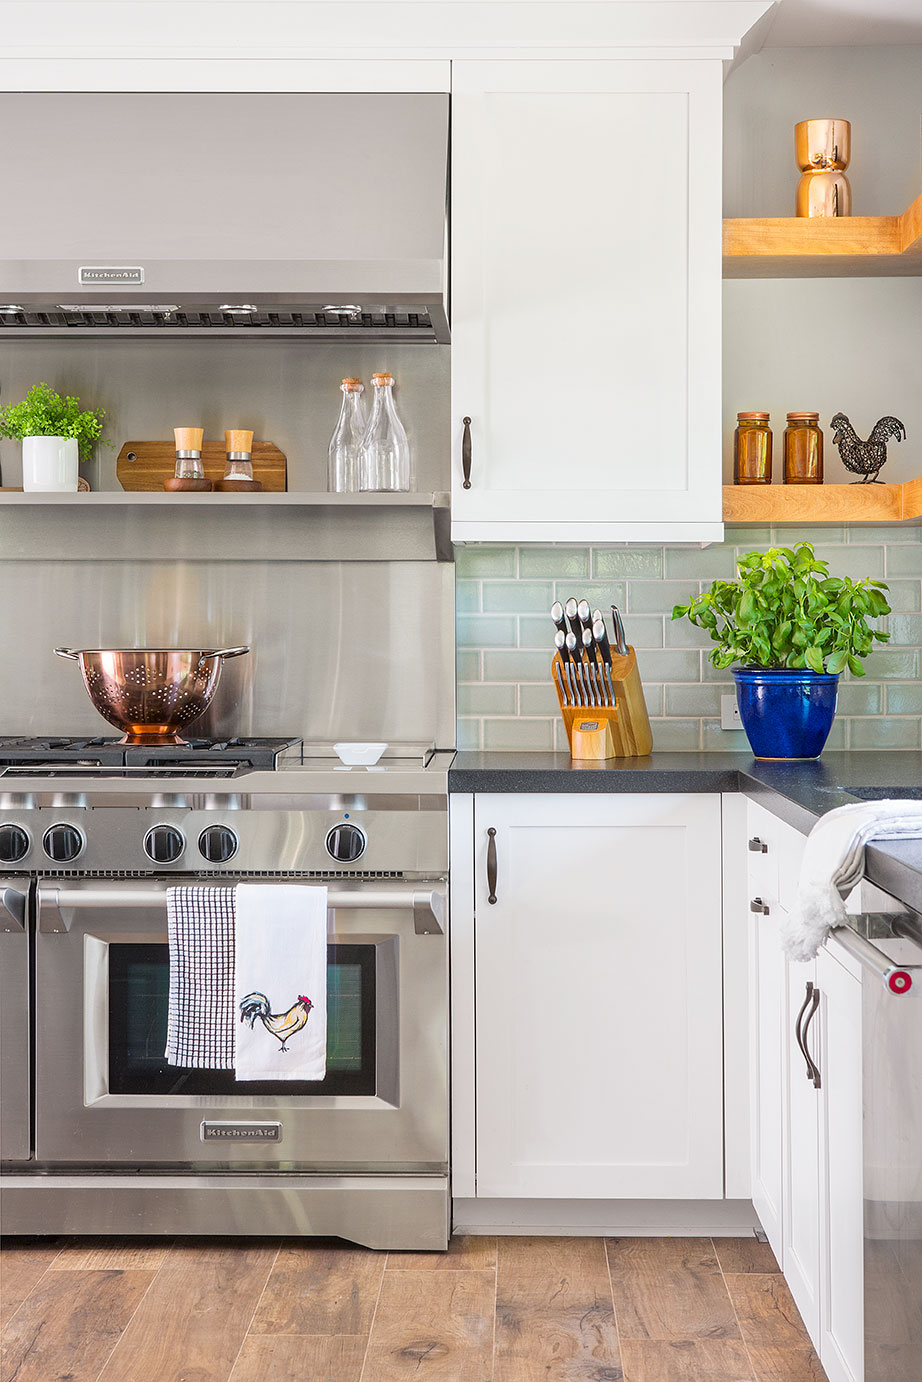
(50, 463)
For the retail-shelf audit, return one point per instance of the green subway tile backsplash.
(506, 700)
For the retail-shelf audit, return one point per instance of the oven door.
(105, 1095)
(15, 1139)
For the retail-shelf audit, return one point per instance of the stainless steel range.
(99, 1134)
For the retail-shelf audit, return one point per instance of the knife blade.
(619, 641)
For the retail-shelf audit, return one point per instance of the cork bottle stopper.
(383, 378)
(351, 385)
(189, 438)
(238, 441)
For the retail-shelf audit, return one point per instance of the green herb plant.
(44, 413)
(785, 610)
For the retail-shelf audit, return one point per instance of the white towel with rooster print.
(280, 982)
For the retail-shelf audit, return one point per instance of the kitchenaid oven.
(124, 1142)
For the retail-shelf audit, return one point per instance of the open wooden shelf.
(824, 247)
(823, 503)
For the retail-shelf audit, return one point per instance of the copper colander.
(150, 693)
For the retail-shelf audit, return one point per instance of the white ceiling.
(828, 23)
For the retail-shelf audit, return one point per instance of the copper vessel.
(822, 150)
(150, 693)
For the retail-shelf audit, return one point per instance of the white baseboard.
(606, 1218)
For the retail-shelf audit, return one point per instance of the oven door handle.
(56, 906)
(13, 905)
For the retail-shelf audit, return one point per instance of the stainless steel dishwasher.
(888, 941)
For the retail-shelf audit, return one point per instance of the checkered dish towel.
(248, 980)
(200, 1020)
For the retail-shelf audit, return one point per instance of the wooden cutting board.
(144, 465)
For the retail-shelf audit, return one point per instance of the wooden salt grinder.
(238, 476)
(189, 458)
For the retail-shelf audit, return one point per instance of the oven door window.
(139, 986)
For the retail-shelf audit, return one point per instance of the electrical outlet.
(729, 713)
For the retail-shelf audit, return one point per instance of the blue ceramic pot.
(787, 713)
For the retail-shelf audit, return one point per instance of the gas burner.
(201, 754)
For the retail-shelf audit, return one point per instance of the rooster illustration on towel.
(281, 1025)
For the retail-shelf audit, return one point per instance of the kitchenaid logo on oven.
(91, 274)
(242, 1132)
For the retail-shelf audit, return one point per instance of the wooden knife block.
(597, 732)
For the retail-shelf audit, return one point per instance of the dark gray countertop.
(796, 791)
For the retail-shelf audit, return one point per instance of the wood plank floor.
(312, 1310)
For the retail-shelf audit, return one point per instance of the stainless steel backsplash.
(340, 650)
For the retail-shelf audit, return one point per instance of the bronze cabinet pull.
(813, 1070)
(466, 452)
(491, 865)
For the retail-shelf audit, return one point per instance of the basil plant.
(786, 611)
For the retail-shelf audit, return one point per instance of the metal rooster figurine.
(865, 457)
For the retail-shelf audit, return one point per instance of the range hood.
(319, 215)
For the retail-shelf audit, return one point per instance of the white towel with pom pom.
(833, 863)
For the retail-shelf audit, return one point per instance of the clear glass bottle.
(385, 457)
(346, 441)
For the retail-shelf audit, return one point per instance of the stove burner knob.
(346, 843)
(63, 843)
(14, 844)
(164, 844)
(218, 844)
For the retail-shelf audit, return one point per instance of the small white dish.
(359, 755)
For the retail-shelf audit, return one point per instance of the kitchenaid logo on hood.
(242, 1132)
(90, 275)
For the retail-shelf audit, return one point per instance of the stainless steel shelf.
(290, 499)
(296, 526)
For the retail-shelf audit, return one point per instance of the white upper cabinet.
(585, 307)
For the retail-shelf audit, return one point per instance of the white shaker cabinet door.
(840, 1343)
(585, 306)
(766, 1051)
(800, 1255)
(598, 996)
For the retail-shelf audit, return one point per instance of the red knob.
(899, 981)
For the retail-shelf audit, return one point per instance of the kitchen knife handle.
(491, 864)
(466, 452)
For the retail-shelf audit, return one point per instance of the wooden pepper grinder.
(238, 472)
(189, 475)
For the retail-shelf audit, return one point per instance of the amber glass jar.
(752, 450)
(803, 450)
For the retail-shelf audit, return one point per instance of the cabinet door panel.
(585, 292)
(801, 1231)
(841, 1336)
(599, 1069)
(766, 1016)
